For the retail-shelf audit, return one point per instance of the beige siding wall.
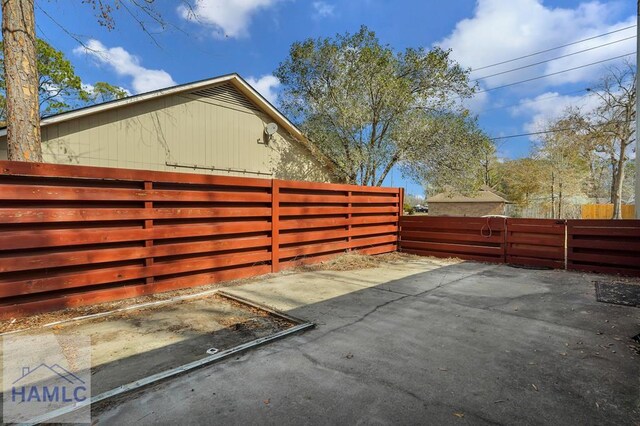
(465, 209)
(180, 133)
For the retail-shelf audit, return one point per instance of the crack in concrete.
(426, 403)
(388, 302)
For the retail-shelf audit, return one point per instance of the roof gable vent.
(228, 94)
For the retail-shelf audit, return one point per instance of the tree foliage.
(520, 179)
(582, 153)
(450, 152)
(567, 169)
(368, 107)
(59, 88)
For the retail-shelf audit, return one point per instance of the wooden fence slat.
(44, 303)
(451, 248)
(322, 210)
(56, 193)
(16, 263)
(45, 215)
(445, 236)
(15, 240)
(20, 168)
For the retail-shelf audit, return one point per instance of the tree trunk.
(21, 77)
(560, 200)
(616, 193)
(553, 198)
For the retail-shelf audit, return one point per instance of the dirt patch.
(128, 346)
(46, 318)
(354, 260)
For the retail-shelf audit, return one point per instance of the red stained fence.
(536, 242)
(75, 235)
(609, 246)
(471, 238)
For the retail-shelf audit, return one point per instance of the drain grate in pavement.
(618, 293)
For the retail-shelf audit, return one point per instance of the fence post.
(275, 225)
(349, 216)
(400, 214)
(148, 224)
(566, 244)
(505, 237)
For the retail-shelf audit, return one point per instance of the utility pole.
(637, 192)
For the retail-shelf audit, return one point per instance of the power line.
(530, 134)
(554, 73)
(552, 49)
(553, 59)
(590, 89)
(533, 101)
(543, 132)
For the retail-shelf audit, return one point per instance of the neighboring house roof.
(485, 195)
(238, 82)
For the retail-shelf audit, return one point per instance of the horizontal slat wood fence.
(77, 235)
(536, 242)
(609, 246)
(471, 238)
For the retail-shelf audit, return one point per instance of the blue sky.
(252, 37)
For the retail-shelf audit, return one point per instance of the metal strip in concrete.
(155, 378)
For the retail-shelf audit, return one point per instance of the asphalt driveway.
(420, 342)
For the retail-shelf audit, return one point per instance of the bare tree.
(615, 125)
(21, 75)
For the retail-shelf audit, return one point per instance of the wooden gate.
(470, 238)
(536, 242)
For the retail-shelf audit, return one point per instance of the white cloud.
(502, 30)
(229, 18)
(267, 86)
(322, 9)
(549, 106)
(128, 65)
(477, 102)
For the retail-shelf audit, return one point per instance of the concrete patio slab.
(414, 343)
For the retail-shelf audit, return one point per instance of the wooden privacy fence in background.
(610, 246)
(76, 235)
(605, 211)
